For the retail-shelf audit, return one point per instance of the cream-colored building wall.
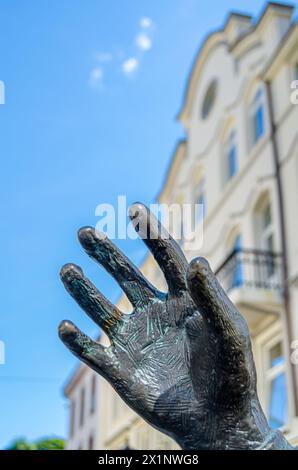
(89, 429)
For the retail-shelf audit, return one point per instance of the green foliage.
(50, 444)
(21, 444)
(42, 444)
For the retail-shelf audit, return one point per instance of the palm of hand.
(181, 359)
(154, 346)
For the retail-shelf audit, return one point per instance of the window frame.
(257, 103)
(272, 372)
(230, 144)
(262, 344)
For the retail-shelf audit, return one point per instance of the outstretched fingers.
(90, 352)
(104, 313)
(138, 290)
(165, 250)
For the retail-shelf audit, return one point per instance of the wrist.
(273, 440)
(247, 431)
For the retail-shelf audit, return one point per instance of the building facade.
(83, 393)
(239, 163)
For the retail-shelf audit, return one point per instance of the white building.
(83, 392)
(240, 160)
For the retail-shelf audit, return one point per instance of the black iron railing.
(252, 269)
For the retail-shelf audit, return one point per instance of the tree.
(53, 443)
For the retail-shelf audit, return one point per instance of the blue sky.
(92, 91)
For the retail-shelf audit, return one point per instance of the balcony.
(253, 281)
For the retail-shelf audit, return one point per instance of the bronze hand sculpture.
(181, 360)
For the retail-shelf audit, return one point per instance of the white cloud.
(143, 42)
(104, 57)
(146, 22)
(130, 65)
(96, 77)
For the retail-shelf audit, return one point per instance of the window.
(277, 406)
(82, 407)
(233, 266)
(72, 417)
(267, 266)
(230, 157)
(257, 116)
(91, 442)
(93, 394)
(267, 238)
(209, 99)
(200, 202)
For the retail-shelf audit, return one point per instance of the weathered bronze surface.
(182, 359)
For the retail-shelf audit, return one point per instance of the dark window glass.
(82, 408)
(72, 418)
(209, 99)
(258, 117)
(278, 406)
(231, 157)
(91, 443)
(237, 279)
(93, 394)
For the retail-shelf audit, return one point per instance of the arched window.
(257, 116)
(230, 156)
